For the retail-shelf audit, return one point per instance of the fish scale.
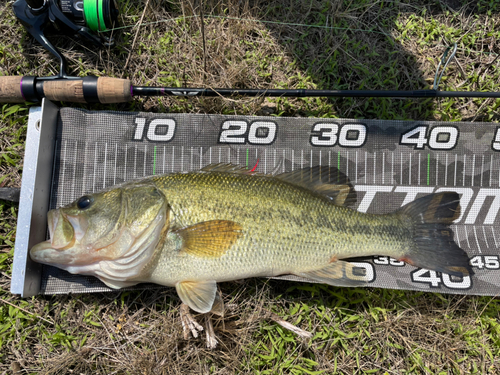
(285, 227)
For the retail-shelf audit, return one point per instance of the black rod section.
(184, 91)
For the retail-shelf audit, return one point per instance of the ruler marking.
(311, 159)
(116, 157)
(346, 163)
(455, 178)
(491, 169)
(74, 171)
(466, 237)
(494, 237)
(473, 169)
(485, 238)
(463, 182)
(201, 157)
(135, 162)
(446, 170)
(401, 164)
(392, 167)
(456, 231)
(145, 157)
(125, 165)
(477, 240)
(383, 167)
(409, 170)
(482, 170)
(366, 165)
(437, 167)
(163, 169)
(428, 168)
(419, 169)
(374, 167)
(356, 167)
(95, 167)
(173, 158)
(105, 162)
(320, 159)
(293, 160)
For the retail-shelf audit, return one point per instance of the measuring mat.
(390, 163)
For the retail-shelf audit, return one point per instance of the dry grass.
(377, 45)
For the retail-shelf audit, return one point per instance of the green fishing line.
(94, 15)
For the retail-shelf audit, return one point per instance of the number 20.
(259, 133)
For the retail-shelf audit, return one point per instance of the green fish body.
(192, 230)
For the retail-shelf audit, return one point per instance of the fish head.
(104, 226)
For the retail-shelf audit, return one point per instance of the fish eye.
(84, 202)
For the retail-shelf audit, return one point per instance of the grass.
(357, 44)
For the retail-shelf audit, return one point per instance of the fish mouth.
(42, 252)
(64, 229)
(64, 232)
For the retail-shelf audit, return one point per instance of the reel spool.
(85, 18)
(97, 15)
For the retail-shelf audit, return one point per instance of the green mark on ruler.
(338, 161)
(154, 161)
(428, 167)
(247, 159)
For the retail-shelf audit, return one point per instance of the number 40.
(438, 138)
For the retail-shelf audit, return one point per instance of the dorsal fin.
(229, 168)
(327, 181)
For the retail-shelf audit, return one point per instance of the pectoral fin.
(210, 239)
(338, 273)
(199, 295)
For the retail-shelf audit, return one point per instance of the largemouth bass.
(192, 230)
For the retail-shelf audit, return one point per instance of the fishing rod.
(86, 17)
(92, 89)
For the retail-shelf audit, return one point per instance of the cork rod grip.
(64, 91)
(114, 90)
(109, 90)
(10, 89)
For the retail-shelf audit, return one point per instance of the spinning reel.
(85, 18)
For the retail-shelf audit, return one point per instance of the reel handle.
(105, 90)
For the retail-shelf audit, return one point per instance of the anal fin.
(338, 273)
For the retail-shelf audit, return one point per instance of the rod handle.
(89, 90)
(17, 89)
(10, 89)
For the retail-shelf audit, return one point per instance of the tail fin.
(433, 245)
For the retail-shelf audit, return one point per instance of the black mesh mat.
(389, 162)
